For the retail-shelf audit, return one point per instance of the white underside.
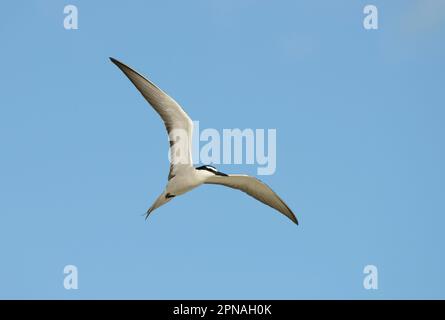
(186, 179)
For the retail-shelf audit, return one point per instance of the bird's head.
(211, 170)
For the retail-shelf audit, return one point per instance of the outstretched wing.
(255, 188)
(178, 124)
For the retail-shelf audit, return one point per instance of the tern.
(183, 176)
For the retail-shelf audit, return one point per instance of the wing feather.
(178, 124)
(256, 189)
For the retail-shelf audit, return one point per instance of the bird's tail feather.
(161, 200)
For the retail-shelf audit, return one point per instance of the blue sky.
(360, 149)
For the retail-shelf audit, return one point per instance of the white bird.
(183, 177)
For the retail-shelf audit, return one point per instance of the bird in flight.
(183, 176)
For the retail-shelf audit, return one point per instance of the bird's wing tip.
(115, 61)
(293, 218)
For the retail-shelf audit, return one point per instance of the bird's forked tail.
(161, 200)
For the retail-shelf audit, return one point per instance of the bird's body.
(183, 177)
(186, 179)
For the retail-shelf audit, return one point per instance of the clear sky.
(359, 116)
